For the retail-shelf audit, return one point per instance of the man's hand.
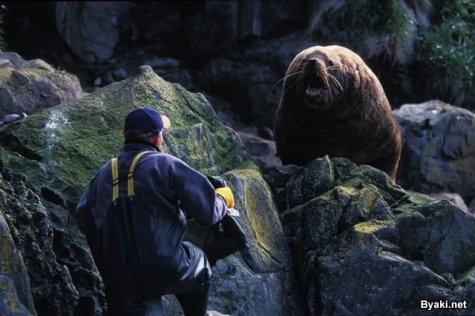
(216, 181)
(220, 185)
(228, 196)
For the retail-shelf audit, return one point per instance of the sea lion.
(333, 104)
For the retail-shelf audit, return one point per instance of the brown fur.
(333, 104)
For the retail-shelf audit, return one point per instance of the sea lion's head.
(321, 75)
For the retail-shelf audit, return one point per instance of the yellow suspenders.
(115, 179)
(130, 176)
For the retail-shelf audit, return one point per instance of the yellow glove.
(227, 194)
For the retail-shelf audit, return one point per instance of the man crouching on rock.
(134, 217)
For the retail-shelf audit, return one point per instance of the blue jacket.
(137, 242)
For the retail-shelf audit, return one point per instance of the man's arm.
(197, 196)
(83, 214)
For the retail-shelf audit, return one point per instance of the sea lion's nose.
(311, 62)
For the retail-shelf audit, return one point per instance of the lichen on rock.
(364, 246)
(15, 292)
(54, 153)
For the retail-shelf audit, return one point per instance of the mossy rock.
(56, 152)
(360, 239)
(59, 149)
(15, 295)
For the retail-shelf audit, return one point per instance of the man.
(134, 217)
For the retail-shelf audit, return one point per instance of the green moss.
(62, 147)
(259, 218)
(363, 198)
(411, 202)
(8, 297)
(257, 196)
(11, 266)
(5, 249)
(447, 51)
(370, 227)
(371, 198)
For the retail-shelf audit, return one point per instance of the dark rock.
(266, 133)
(441, 235)
(263, 151)
(359, 240)
(278, 176)
(438, 152)
(315, 179)
(119, 74)
(256, 145)
(217, 26)
(53, 249)
(15, 292)
(454, 198)
(90, 29)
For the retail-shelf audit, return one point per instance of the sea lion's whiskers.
(279, 81)
(285, 77)
(335, 81)
(293, 74)
(326, 84)
(291, 86)
(282, 79)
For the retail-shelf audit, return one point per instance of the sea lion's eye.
(331, 63)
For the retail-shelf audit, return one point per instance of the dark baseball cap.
(146, 120)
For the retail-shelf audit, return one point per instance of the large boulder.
(54, 153)
(90, 29)
(438, 153)
(364, 246)
(31, 85)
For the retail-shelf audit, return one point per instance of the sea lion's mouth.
(313, 91)
(314, 88)
(316, 93)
